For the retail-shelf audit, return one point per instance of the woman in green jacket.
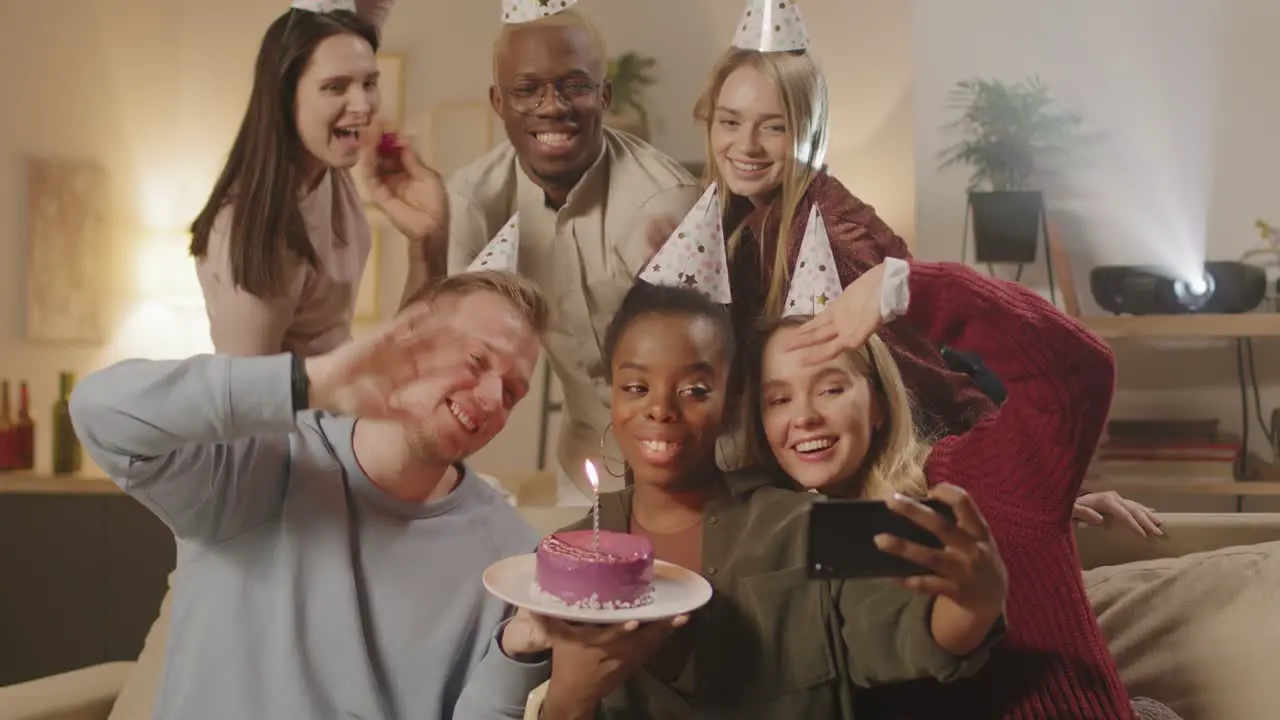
(772, 643)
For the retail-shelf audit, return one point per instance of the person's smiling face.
(749, 138)
(669, 375)
(503, 350)
(820, 419)
(560, 69)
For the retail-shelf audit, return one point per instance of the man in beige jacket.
(593, 204)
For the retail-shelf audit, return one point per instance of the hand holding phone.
(842, 538)
(941, 546)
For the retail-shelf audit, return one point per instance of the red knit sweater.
(1023, 466)
(947, 402)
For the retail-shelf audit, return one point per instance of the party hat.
(771, 26)
(520, 11)
(694, 256)
(324, 6)
(815, 284)
(503, 250)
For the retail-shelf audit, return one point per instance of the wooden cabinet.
(83, 568)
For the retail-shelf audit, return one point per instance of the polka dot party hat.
(771, 26)
(694, 256)
(815, 284)
(503, 251)
(324, 6)
(520, 11)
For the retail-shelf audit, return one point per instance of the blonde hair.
(802, 89)
(525, 296)
(569, 18)
(896, 459)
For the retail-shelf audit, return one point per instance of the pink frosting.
(618, 574)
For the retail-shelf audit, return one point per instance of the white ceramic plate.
(675, 591)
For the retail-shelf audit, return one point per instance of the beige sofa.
(1200, 633)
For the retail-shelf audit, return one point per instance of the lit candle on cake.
(595, 503)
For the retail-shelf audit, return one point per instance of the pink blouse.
(314, 315)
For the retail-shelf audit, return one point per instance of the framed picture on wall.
(67, 246)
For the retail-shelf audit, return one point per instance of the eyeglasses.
(527, 97)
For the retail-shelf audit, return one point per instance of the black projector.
(1225, 287)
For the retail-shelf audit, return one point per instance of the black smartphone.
(842, 539)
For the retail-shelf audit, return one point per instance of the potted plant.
(1008, 134)
(630, 75)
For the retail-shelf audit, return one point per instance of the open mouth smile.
(462, 417)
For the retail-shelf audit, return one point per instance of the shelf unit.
(1238, 327)
(1188, 486)
(1248, 325)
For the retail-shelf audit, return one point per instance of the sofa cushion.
(84, 694)
(137, 698)
(1198, 632)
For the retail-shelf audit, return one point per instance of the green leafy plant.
(1006, 131)
(631, 75)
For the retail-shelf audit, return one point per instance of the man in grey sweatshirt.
(329, 566)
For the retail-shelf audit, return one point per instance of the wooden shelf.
(1258, 324)
(1183, 486)
(21, 482)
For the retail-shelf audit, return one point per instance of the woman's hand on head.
(968, 569)
(843, 325)
(412, 195)
(1102, 507)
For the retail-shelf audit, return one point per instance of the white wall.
(1181, 96)
(155, 89)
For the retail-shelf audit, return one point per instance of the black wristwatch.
(300, 384)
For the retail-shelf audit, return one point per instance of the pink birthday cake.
(618, 574)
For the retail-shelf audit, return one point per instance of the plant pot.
(1006, 225)
(629, 122)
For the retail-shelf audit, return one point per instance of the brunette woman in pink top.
(282, 243)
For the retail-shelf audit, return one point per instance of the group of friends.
(732, 350)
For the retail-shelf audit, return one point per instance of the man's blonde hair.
(896, 459)
(523, 295)
(569, 18)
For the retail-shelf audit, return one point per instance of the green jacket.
(773, 643)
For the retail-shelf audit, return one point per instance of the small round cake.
(573, 571)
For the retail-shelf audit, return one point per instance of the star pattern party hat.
(521, 11)
(503, 250)
(815, 284)
(694, 255)
(324, 6)
(771, 26)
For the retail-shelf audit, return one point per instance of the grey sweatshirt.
(290, 601)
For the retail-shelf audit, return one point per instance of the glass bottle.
(25, 430)
(66, 447)
(8, 438)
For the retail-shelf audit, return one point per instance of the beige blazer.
(585, 257)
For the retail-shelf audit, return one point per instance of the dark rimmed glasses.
(526, 97)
